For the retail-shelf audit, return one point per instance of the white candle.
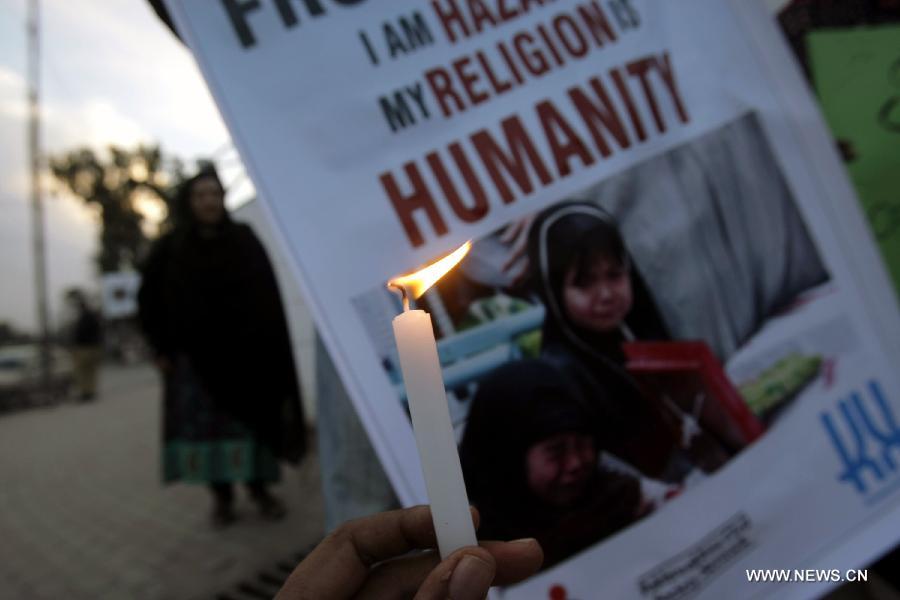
(434, 431)
(432, 426)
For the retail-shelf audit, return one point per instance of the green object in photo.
(779, 383)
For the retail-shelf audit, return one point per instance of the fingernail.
(471, 579)
(523, 541)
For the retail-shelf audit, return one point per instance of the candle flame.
(418, 283)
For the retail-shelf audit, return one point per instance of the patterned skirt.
(203, 444)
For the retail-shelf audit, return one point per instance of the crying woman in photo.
(533, 461)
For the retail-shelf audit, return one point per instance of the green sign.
(857, 76)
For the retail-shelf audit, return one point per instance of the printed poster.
(857, 78)
(669, 353)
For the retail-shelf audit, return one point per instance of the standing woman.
(211, 310)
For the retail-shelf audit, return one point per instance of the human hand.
(655, 493)
(372, 558)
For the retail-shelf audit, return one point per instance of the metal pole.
(37, 207)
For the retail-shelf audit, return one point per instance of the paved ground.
(83, 513)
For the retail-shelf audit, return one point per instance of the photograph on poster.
(586, 347)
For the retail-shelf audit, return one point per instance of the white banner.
(669, 354)
(119, 291)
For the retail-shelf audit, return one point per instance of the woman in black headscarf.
(211, 310)
(530, 459)
(596, 300)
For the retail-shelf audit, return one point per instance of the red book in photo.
(690, 375)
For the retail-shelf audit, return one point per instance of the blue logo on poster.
(866, 436)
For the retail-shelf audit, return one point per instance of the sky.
(111, 74)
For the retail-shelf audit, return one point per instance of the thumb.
(466, 574)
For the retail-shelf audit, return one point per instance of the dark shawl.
(636, 428)
(517, 406)
(215, 299)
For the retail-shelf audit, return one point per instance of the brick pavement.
(83, 513)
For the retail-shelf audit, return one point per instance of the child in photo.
(531, 460)
(595, 301)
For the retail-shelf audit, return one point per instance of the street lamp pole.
(37, 206)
